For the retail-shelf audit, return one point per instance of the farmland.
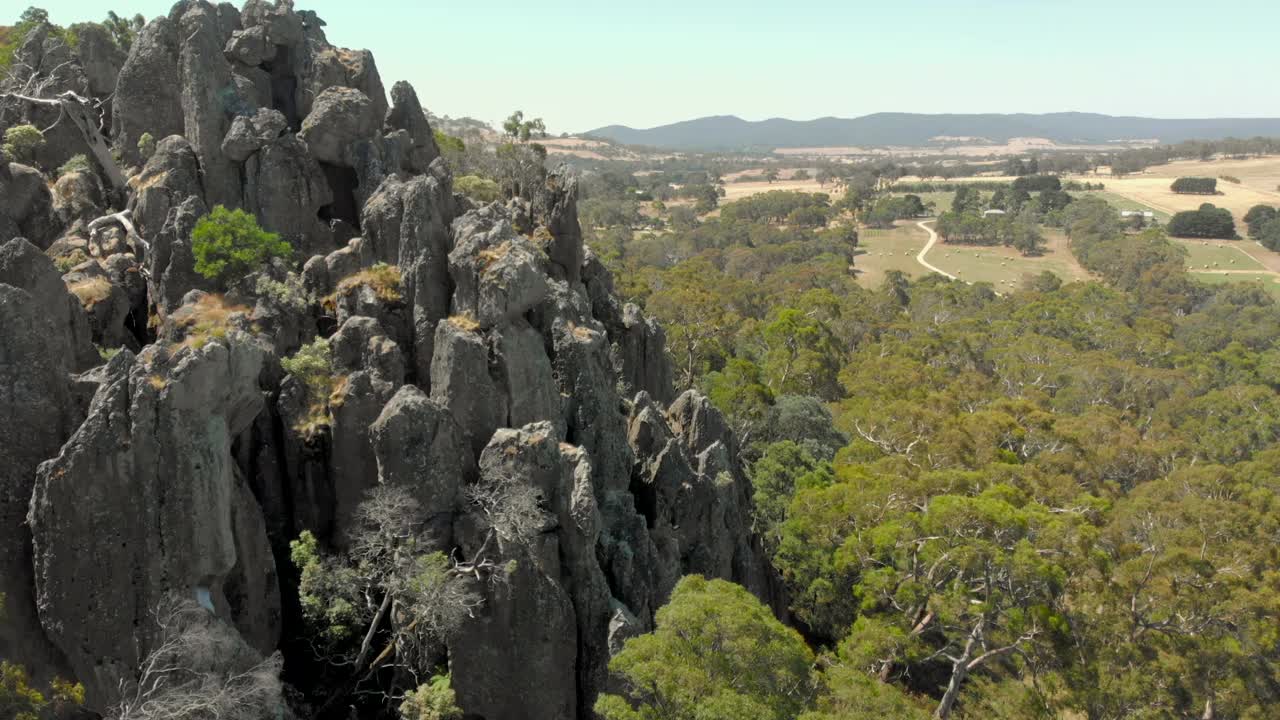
(1005, 267)
(883, 250)
(1258, 177)
(1267, 281)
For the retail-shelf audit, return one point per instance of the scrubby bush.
(1195, 186)
(77, 163)
(312, 365)
(146, 146)
(478, 188)
(431, 701)
(288, 294)
(21, 143)
(230, 243)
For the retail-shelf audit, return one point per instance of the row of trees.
(1195, 186)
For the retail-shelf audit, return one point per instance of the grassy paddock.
(883, 250)
(1266, 281)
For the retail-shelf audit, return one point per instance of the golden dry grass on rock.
(206, 320)
(91, 291)
(385, 280)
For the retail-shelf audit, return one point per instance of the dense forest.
(1059, 502)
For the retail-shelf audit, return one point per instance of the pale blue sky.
(581, 65)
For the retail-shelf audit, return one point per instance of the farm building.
(1137, 213)
(989, 213)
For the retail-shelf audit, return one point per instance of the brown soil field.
(1259, 178)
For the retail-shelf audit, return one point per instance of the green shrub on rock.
(230, 243)
(21, 143)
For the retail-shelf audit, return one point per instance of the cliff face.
(179, 467)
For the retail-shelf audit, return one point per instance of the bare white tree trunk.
(81, 112)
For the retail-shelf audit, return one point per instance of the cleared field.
(883, 250)
(1005, 267)
(1262, 174)
(1267, 281)
(1258, 180)
(737, 191)
(1228, 255)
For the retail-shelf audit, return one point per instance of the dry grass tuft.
(384, 279)
(486, 258)
(465, 322)
(91, 291)
(206, 321)
(157, 383)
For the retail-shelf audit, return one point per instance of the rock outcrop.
(473, 351)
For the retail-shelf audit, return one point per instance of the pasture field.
(1004, 267)
(1227, 255)
(1267, 281)
(880, 251)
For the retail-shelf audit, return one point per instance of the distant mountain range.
(727, 132)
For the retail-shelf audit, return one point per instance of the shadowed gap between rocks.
(343, 182)
(284, 86)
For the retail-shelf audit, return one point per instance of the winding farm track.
(933, 239)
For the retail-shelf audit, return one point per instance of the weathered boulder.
(100, 58)
(461, 381)
(169, 178)
(280, 23)
(149, 476)
(250, 47)
(171, 264)
(319, 66)
(148, 95)
(209, 100)
(594, 414)
(78, 198)
(339, 119)
(406, 114)
(285, 189)
(23, 266)
(26, 201)
(420, 447)
(372, 369)
(525, 374)
(407, 223)
(37, 415)
(542, 632)
(561, 217)
(497, 274)
(105, 304)
(642, 359)
(250, 133)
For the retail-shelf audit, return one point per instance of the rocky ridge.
(184, 463)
